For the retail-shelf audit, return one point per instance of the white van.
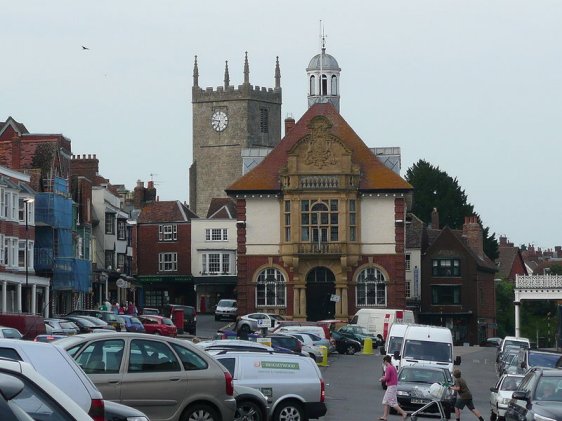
(292, 382)
(380, 320)
(429, 345)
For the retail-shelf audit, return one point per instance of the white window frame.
(223, 260)
(2, 202)
(168, 262)
(2, 250)
(365, 282)
(216, 234)
(168, 232)
(274, 284)
(408, 262)
(15, 207)
(12, 249)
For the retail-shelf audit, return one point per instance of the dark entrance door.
(320, 285)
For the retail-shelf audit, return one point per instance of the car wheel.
(248, 411)
(289, 411)
(245, 328)
(350, 350)
(200, 412)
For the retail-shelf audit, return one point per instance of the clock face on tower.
(219, 121)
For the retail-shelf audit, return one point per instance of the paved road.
(354, 394)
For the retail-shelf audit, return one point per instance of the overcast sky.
(472, 86)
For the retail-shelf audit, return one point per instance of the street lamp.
(27, 201)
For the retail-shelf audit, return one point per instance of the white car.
(253, 322)
(308, 345)
(26, 395)
(501, 395)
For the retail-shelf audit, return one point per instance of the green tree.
(434, 188)
(505, 318)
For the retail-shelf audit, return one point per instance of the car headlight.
(541, 418)
(402, 393)
(504, 401)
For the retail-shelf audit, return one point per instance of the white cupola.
(323, 74)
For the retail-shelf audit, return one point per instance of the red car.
(159, 325)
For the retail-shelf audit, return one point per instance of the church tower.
(227, 121)
(323, 74)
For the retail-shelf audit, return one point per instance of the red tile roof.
(165, 211)
(374, 174)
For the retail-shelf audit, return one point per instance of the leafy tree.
(434, 188)
(504, 300)
(556, 270)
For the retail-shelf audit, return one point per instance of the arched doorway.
(320, 285)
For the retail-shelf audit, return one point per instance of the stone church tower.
(226, 122)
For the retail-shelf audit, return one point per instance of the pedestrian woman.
(464, 397)
(391, 379)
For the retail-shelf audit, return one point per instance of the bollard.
(324, 362)
(368, 346)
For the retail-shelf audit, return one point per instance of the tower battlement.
(232, 93)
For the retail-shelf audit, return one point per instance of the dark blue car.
(132, 323)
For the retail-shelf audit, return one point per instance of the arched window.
(371, 288)
(324, 89)
(334, 87)
(312, 85)
(271, 290)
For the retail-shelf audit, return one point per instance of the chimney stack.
(472, 231)
(435, 219)
(289, 124)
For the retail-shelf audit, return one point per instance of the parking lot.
(353, 392)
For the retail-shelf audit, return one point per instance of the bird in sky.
(85, 48)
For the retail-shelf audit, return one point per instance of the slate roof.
(375, 176)
(222, 208)
(505, 261)
(483, 261)
(165, 211)
(414, 232)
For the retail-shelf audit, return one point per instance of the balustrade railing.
(538, 281)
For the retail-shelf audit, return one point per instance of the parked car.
(513, 342)
(359, 333)
(413, 390)
(150, 311)
(107, 316)
(507, 358)
(226, 309)
(317, 340)
(527, 358)
(286, 342)
(26, 395)
(251, 404)
(538, 396)
(167, 378)
(85, 325)
(294, 384)
(61, 327)
(492, 342)
(132, 323)
(58, 367)
(345, 345)
(98, 323)
(216, 346)
(10, 333)
(501, 395)
(321, 329)
(254, 321)
(48, 338)
(159, 325)
(307, 348)
(189, 316)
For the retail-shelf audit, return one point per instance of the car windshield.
(549, 389)
(227, 303)
(276, 317)
(519, 344)
(394, 344)
(428, 350)
(420, 375)
(510, 383)
(545, 360)
(167, 322)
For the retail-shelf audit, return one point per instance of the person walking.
(391, 379)
(464, 397)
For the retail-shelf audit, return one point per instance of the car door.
(154, 381)
(102, 360)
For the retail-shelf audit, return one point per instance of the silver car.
(501, 395)
(226, 309)
(167, 378)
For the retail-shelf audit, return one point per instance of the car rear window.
(168, 322)
(545, 360)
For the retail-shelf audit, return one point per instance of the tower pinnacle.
(246, 70)
(277, 73)
(226, 76)
(195, 73)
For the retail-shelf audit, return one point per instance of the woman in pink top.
(391, 379)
